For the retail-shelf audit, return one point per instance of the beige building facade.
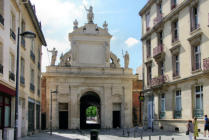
(16, 14)
(175, 62)
(89, 74)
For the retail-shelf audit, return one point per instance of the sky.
(124, 24)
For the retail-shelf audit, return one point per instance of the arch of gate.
(88, 99)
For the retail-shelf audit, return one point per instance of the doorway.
(63, 119)
(116, 119)
(150, 114)
(90, 111)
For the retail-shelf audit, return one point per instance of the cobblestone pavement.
(111, 134)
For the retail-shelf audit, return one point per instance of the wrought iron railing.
(11, 76)
(177, 114)
(32, 56)
(162, 115)
(32, 87)
(22, 80)
(159, 80)
(158, 19)
(157, 50)
(206, 64)
(198, 113)
(12, 34)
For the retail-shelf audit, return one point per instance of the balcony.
(12, 34)
(11, 76)
(158, 50)
(1, 68)
(158, 19)
(159, 80)
(32, 87)
(206, 64)
(1, 19)
(194, 27)
(32, 56)
(162, 115)
(198, 113)
(23, 42)
(22, 80)
(177, 114)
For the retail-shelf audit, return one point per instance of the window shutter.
(192, 58)
(174, 65)
(191, 18)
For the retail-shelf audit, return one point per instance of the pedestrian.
(206, 127)
(190, 129)
(195, 128)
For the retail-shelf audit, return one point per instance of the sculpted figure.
(126, 60)
(90, 15)
(115, 60)
(54, 56)
(62, 63)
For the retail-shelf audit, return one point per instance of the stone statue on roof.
(54, 56)
(90, 15)
(126, 60)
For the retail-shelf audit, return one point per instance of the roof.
(35, 21)
(144, 9)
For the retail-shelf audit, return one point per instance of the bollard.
(128, 132)
(149, 137)
(141, 137)
(159, 137)
(123, 132)
(172, 138)
(134, 134)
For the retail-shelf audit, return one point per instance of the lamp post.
(30, 35)
(51, 111)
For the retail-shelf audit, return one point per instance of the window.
(194, 17)
(161, 68)
(199, 97)
(32, 45)
(160, 38)
(174, 29)
(38, 84)
(176, 66)
(178, 100)
(159, 9)
(1, 53)
(22, 72)
(148, 44)
(32, 76)
(11, 63)
(37, 116)
(30, 116)
(12, 24)
(196, 59)
(173, 4)
(23, 30)
(149, 74)
(1, 12)
(5, 111)
(147, 16)
(1, 111)
(162, 105)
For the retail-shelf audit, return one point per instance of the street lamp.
(55, 91)
(30, 35)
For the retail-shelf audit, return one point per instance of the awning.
(7, 90)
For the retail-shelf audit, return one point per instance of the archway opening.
(90, 111)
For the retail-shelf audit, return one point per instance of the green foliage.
(91, 111)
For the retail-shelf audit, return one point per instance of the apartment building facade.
(175, 36)
(20, 14)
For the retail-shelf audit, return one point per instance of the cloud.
(131, 41)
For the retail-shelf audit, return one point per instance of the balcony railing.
(159, 80)
(32, 56)
(32, 87)
(22, 80)
(194, 27)
(198, 113)
(1, 19)
(157, 50)
(23, 42)
(158, 19)
(177, 114)
(162, 115)
(1, 68)
(11, 76)
(12, 34)
(196, 67)
(206, 64)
